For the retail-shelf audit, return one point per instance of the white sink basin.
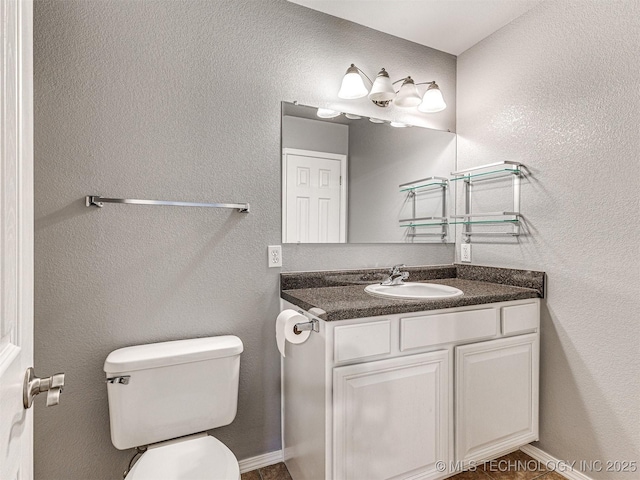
(413, 291)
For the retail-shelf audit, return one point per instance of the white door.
(313, 197)
(391, 418)
(16, 237)
(496, 396)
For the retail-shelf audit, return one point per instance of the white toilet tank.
(167, 390)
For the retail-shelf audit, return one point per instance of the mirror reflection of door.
(381, 160)
(314, 197)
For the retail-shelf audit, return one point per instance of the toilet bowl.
(199, 458)
(165, 396)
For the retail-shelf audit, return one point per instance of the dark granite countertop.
(349, 300)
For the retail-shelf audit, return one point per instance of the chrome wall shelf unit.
(487, 172)
(425, 184)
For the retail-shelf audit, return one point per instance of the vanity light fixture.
(408, 95)
(352, 84)
(432, 101)
(382, 91)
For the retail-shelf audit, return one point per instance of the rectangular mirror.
(346, 179)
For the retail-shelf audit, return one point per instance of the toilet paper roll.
(284, 329)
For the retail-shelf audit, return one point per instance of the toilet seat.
(202, 458)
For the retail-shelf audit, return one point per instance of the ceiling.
(451, 26)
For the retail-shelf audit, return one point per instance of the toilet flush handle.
(34, 385)
(122, 379)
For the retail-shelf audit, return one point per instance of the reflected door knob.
(34, 385)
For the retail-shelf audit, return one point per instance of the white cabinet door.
(391, 418)
(496, 396)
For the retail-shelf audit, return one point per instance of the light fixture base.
(382, 103)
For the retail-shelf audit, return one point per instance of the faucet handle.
(395, 270)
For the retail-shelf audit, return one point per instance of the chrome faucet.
(396, 277)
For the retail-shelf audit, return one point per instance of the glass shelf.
(430, 184)
(426, 185)
(485, 214)
(491, 174)
(511, 218)
(424, 224)
(476, 222)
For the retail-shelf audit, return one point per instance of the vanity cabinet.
(407, 396)
(391, 417)
(496, 404)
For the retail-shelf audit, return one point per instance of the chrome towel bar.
(98, 201)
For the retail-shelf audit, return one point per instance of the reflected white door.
(314, 197)
(16, 237)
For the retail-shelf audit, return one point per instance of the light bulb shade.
(408, 95)
(432, 101)
(382, 89)
(352, 85)
(327, 113)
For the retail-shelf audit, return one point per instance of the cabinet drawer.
(520, 318)
(363, 340)
(418, 332)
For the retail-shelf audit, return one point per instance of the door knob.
(34, 385)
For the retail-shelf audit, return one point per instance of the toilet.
(166, 396)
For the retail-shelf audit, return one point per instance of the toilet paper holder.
(313, 325)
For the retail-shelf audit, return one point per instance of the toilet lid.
(203, 458)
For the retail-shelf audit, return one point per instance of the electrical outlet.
(275, 256)
(465, 252)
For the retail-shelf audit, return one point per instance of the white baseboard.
(552, 463)
(260, 461)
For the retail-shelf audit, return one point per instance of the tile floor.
(272, 472)
(515, 466)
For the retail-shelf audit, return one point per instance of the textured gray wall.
(557, 89)
(180, 100)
